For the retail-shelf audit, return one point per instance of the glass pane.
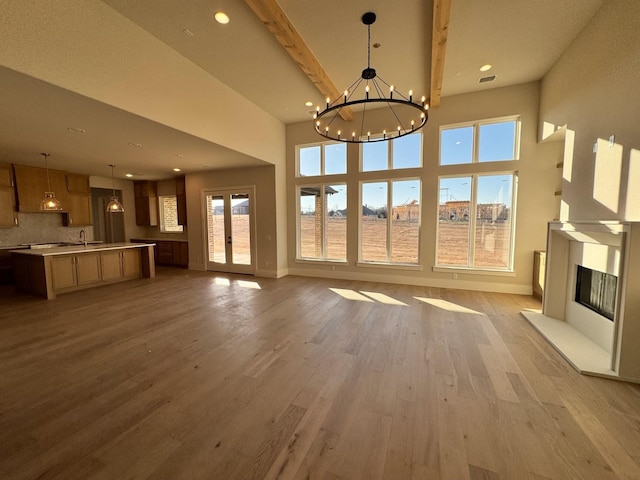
(456, 146)
(407, 151)
(335, 158)
(240, 229)
(336, 222)
(310, 232)
(215, 229)
(309, 158)
(497, 141)
(405, 221)
(373, 233)
(453, 221)
(493, 221)
(375, 156)
(169, 214)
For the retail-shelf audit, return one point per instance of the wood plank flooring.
(194, 375)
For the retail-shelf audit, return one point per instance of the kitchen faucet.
(83, 237)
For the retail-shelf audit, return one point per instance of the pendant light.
(114, 206)
(49, 203)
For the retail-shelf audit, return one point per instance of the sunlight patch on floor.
(248, 284)
(445, 305)
(382, 298)
(350, 294)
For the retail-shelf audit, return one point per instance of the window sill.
(475, 271)
(397, 266)
(312, 261)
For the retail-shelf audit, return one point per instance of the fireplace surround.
(597, 264)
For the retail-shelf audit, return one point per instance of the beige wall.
(264, 180)
(536, 201)
(594, 89)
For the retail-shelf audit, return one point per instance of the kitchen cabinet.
(146, 202)
(31, 183)
(120, 264)
(8, 217)
(171, 253)
(77, 208)
(77, 183)
(181, 200)
(48, 272)
(70, 271)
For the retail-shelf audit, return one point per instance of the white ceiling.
(520, 38)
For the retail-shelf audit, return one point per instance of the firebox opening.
(596, 291)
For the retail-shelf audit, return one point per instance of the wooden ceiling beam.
(441, 12)
(276, 21)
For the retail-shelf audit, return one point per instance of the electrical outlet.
(455, 276)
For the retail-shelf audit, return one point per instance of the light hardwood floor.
(200, 376)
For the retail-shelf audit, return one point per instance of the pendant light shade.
(114, 206)
(49, 203)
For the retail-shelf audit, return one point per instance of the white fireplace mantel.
(593, 344)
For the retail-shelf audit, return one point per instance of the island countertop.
(75, 249)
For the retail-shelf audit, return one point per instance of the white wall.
(594, 88)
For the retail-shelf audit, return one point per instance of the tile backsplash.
(41, 228)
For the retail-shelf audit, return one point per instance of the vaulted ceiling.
(200, 95)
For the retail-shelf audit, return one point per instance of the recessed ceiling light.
(178, 155)
(137, 145)
(308, 104)
(187, 32)
(486, 68)
(76, 130)
(128, 175)
(221, 17)
(176, 169)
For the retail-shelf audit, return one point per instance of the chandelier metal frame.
(372, 87)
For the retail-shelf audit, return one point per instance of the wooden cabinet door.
(6, 175)
(31, 183)
(131, 263)
(77, 183)
(111, 265)
(63, 272)
(181, 200)
(78, 210)
(8, 216)
(181, 254)
(88, 268)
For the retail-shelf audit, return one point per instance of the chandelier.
(49, 203)
(400, 114)
(114, 205)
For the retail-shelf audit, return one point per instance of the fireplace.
(591, 302)
(596, 291)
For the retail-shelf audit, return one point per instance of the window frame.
(161, 208)
(322, 146)
(475, 150)
(388, 263)
(324, 247)
(473, 203)
(390, 167)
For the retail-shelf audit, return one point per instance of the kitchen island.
(52, 271)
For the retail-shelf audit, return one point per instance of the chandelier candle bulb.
(423, 100)
(346, 93)
(411, 95)
(366, 91)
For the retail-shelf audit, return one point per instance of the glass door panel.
(240, 228)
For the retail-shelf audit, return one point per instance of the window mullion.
(472, 220)
(389, 197)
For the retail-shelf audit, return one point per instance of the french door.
(230, 230)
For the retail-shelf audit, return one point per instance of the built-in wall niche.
(591, 302)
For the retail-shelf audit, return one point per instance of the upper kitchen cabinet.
(31, 183)
(8, 217)
(181, 200)
(146, 193)
(78, 183)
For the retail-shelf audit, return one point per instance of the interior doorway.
(107, 227)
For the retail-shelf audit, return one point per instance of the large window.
(169, 214)
(487, 141)
(475, 221)
(322, 159)
(404, 152)
(322, 223)
(390, 221)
